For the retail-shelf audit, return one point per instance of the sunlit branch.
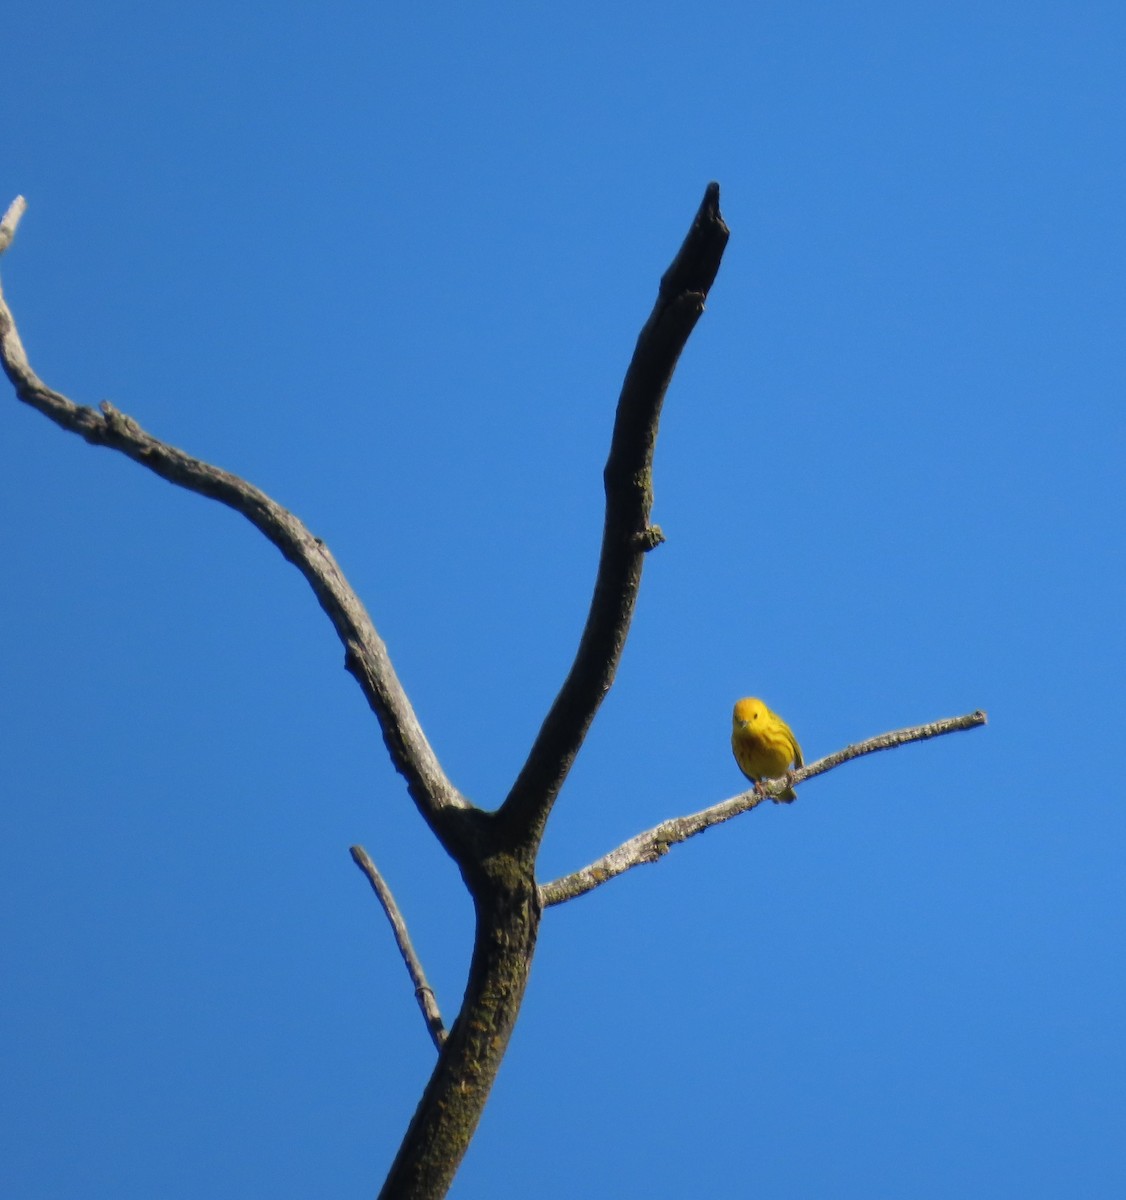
(366, 656)
(423, 992)
(649, 846)
(10, 220)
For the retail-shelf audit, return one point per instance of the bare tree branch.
(366, 656)
(627, 534)
(495, 852)
(649, 846)
(10, 220)
(423, 992)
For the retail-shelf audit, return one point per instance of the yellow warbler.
(763, 744)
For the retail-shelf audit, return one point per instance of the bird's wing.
(798, 760)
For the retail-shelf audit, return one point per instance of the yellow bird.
(763, 744)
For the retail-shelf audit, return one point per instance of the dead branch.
(10, 220)
(627, 535)
(423, 992)
(651, 845)
(366, 656)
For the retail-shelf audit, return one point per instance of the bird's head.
(748, 712)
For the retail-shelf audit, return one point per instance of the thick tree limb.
(500, 853)
(627, 534)
(508, 918)
(423, 992)
(651, 845)
(366, 656)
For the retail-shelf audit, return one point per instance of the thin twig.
(366, 655)
(649, 846)
(423, 992)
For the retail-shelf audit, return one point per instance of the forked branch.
(496, 852)
(651, 845)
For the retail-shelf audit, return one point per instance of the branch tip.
(10, 220)
(627, 534)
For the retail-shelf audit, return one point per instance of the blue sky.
(389, 264)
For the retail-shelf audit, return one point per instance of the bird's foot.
(789, 795)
